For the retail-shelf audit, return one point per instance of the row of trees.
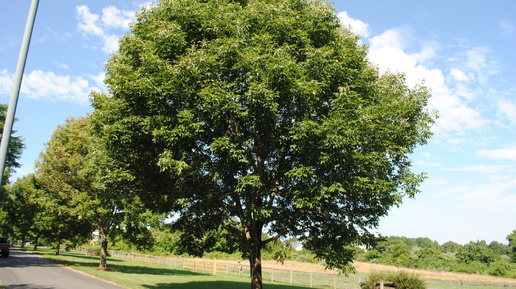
(265, 113)
(475, 257)
(74, 191)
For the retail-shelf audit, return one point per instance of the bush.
(374, 277)
(474, 267)
(223, 256)
(400, 280)
(304, 256)
(499, 268)
(404, 280)
(93, 251)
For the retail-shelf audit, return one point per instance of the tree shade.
(264, 111)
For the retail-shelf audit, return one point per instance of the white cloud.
(480, 193)
(110, 44)
(55, 36)
(389, 51)
(49, 86)
(508, 152)
(53, 87)
(147, 5)
(61, 65)
(427, 164)
(507, 29)
(463, 90)
(88, 21)
(508, 109)
(459, 75)
(101, 26)
(99, 81)
(490, 196)
(113, 17)
(357, 26)
(481, 169)
(6, 82)
(479, 63)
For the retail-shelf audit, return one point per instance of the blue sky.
(466, 55)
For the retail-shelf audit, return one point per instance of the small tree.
(23, 208)
(84, 185)
(59, 174)
(264, 111)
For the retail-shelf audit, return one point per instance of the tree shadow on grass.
(152, 271)
(78, 257)
(217, 284)
(128, 269)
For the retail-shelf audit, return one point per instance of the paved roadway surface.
(28, 271)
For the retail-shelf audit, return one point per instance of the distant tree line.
(478, 257)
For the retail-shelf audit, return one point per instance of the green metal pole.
(11, 109)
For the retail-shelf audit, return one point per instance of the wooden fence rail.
(312, 279)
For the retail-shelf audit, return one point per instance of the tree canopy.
(84, 185)
(23, 208)
(59, 172)
(264, 111)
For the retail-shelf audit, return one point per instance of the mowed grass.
(135, 274)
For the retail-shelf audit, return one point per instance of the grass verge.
(134, 274)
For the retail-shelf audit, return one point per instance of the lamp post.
(11, 109)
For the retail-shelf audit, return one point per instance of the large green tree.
(267, 111)
(59, 172)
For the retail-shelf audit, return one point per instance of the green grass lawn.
(134, 274)
(138, 274)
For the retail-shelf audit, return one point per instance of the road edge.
(70, 268)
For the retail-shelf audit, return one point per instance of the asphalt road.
(27, 271)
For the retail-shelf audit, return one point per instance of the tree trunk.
(36, 242)
(58, 244)
(255, 262)
(103, 249)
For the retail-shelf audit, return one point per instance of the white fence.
(311, 279)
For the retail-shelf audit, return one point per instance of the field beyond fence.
(294, 277)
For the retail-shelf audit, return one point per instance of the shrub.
(374, 277)
(474, 267)
(404, 280)
(93, 251)
(400, 280)
(499, 268)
